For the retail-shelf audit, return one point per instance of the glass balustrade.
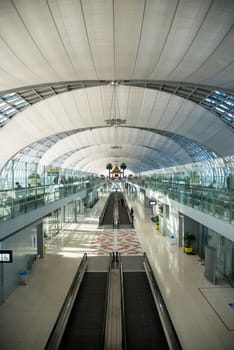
(216, 202)
(15, 202)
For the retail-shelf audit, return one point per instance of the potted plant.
(156, 220)
(188, 238)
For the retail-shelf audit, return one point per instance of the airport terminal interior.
(116, 174)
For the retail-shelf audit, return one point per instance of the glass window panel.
(7, 96)
(207, 103)
(5, 108)
(224, 103)
(225, 107)
(20, 105)
(10, 104)
(10, 111)
(219, 109)
(14, 99)
(17, 102)
(225, 117)
(2, 118)
(220, 93)
(229, 102)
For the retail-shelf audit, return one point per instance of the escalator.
(82, 319)
(147, 323)
(125, 219)
(85, 327)
(112, 305)
(142, 322)
(108, 215)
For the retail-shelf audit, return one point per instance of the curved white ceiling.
(117, 143)
(59, 40)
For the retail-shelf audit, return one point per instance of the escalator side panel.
(143, 325)
(85, 326)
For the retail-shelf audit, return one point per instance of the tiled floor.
(201, 312)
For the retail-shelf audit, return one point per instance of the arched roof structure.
(84, 83)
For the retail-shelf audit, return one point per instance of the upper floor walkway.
(212, 201)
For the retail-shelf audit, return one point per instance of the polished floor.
(202, 313)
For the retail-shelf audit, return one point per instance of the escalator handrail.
(116, 218)
(110, 340)
(62, 319)
(168, 327)
(129, 213)
(106, 301)
(119, 221)
(124, 339)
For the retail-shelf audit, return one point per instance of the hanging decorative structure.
(116, 172)
(115, 119)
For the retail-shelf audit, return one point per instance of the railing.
(169, 330)
(62, 319)
(113, 334)
(106, 301)
(216, 202)
(116, 219)
(19, 201)
(124, 339)
(129, 212)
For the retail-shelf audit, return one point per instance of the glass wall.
(224, 256)
(69, 212)
(26, 174)
(214, 173)
(52, 225)
(207, 186)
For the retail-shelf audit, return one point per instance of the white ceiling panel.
(87, 108)
(58, 41)
(87, 145)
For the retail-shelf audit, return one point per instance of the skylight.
(10, 104)
(222, 104)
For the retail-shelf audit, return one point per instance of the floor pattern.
(98, 242)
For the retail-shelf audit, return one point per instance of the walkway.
(201, 312)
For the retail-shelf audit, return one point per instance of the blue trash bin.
(24, 277)
(172, 239)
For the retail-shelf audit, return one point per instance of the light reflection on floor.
(95, 241)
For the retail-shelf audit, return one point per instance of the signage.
(6, 256)
(53, 170)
